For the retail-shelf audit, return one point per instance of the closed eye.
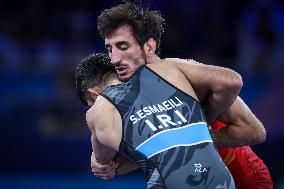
(122, 45)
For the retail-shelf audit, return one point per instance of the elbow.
(260, 135)
(231, 84)
(236, 82)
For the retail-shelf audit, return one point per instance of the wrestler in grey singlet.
(165, 132)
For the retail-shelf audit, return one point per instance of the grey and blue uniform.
(164, 131)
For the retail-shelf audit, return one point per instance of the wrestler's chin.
(124, 77)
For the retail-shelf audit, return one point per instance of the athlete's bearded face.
(125, 52)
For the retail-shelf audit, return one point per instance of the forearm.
(223, 94)
(103, 154)
(243, 127)
(125, 165)
(216, 87)
(231, 136)
(218, 102)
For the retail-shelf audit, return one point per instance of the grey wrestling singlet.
(164, 131)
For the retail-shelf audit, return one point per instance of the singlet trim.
(168, 130)
(189, 135)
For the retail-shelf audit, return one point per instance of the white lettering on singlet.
(164, 119)
(156, 108)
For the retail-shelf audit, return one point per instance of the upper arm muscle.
(104, 140)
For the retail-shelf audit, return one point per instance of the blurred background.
(44, 139)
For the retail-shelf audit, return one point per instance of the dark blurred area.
(44, 140)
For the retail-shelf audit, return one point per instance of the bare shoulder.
(192, 64)
(196, 71)
(96, 114)
(176, 64)
(182, 61)
(174, 74)
(165, 67)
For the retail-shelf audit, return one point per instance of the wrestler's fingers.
(97, 171)
(95, 164)
(103, 168)
(105, 176)
(110, 170)
(102, 174)
(94, 160)
(108, 177)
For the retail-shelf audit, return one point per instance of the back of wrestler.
(164, 130)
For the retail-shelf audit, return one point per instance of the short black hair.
(94, 70)
(145, 23)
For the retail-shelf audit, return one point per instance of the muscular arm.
(103, 136)
(243, 127)
(216, 87)
(106, 136)
(102, 157)
(117, 166)
(103, 153)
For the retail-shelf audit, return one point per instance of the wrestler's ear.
(150, 47)
(95, 91)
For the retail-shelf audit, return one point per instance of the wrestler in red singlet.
(248, 170)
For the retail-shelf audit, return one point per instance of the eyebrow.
(118, 43)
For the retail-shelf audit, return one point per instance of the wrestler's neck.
(153, 59)
(113, 80)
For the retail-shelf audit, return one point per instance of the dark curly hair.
(145, 23)
(94, 70)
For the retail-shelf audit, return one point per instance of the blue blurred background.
(44, 139)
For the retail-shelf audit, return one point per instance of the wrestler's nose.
(115, 57)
